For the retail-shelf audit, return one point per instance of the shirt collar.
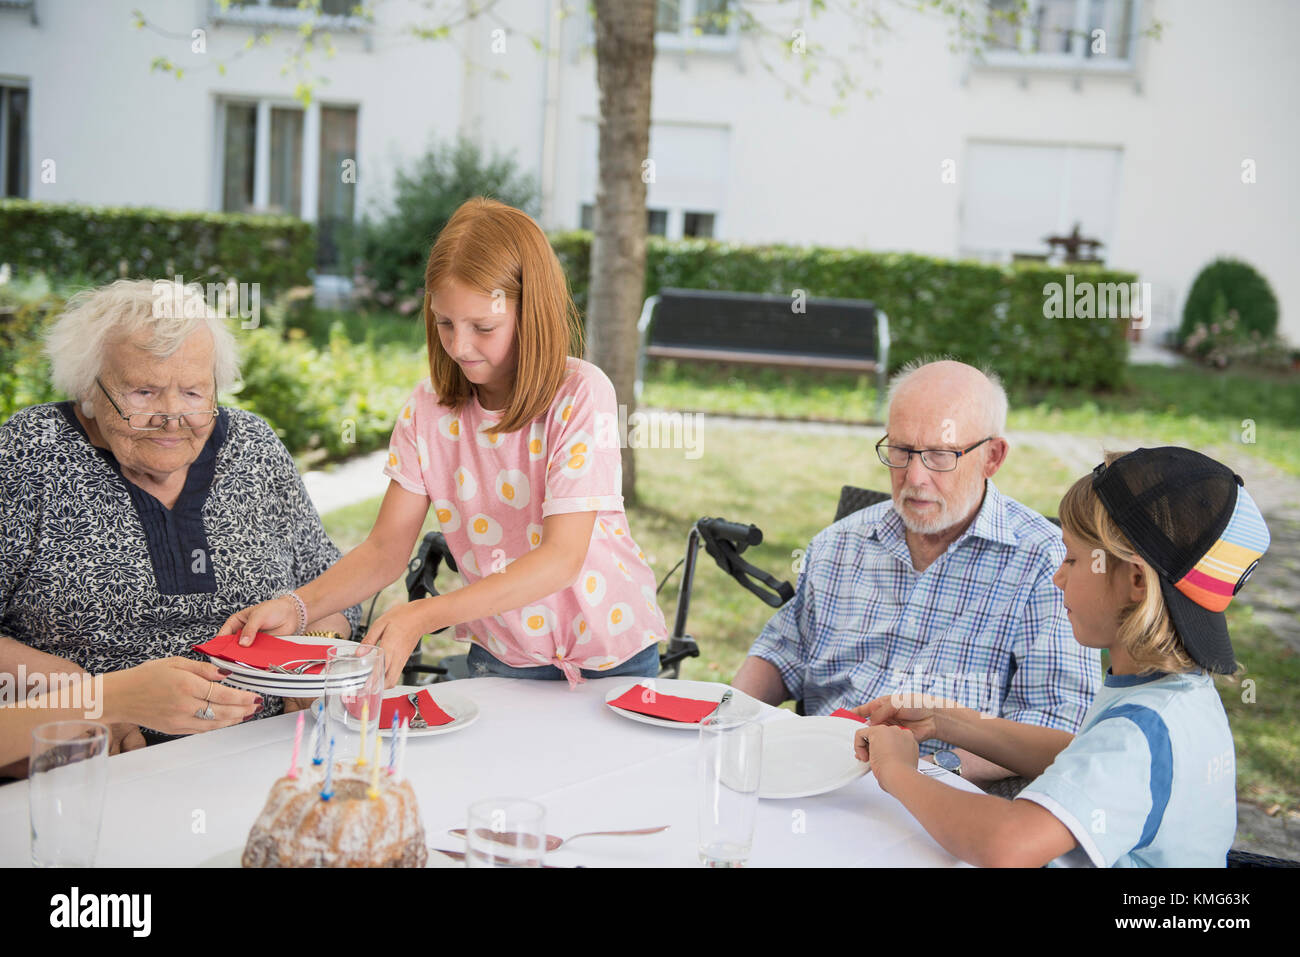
(990, 522)
(1128, 681)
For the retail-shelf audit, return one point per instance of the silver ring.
(207, 714)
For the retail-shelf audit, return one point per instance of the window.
(336, 190)
(1094, 34)
(695, 25)
(656, 220)
(1018, 194)
(698, 225)
(287, 13)
(279, 158)
(286, 161)
(13, 141)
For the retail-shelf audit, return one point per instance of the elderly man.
(945, 590)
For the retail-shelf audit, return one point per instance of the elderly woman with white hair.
(136, 518)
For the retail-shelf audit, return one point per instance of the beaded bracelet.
(302, 612)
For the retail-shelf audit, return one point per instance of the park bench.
(846, 335)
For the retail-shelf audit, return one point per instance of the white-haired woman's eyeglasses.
(142, 421)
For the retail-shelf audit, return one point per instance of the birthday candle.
(374, 771)
(401, 748)
(365, 720)
(392, 743)
(326, 792)
(297, 740)
(318, 734)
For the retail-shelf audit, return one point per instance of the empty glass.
(731, 753)
(354, 689)
(67, 776)
(505, 832)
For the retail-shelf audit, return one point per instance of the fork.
(300, 665)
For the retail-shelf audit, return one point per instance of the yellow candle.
(374, 772)
(365, 720)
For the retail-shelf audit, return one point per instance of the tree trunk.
(624, 62)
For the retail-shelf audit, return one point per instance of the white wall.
(1219, 87)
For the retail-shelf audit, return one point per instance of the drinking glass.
(505, 832)
(731, 753)
(66, 780)
(354, 688)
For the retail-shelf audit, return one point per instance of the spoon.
(554, 843)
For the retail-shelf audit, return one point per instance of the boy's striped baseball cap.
(1193, 521)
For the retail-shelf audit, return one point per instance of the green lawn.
(1259, 412)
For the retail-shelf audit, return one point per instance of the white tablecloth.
(192, 801)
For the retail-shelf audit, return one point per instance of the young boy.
(1157, 543)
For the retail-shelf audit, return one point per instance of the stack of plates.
(289, 686)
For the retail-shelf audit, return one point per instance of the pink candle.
(297, 740)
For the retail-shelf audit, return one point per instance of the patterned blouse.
(96, 570)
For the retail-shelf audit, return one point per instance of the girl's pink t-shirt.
(490, 495)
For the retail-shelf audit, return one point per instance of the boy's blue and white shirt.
(1150, 780)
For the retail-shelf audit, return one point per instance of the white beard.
(948, 515)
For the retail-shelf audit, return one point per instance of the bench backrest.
(750, 322)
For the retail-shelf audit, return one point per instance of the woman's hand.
(890, 750)
(124, 737)
(915, 712)
(166, 693)
(399, 631)
(279, 616)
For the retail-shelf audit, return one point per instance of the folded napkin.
(266, 650)
(643, 700)
(846, 713)
(402, 707)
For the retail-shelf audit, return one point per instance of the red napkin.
(846, 713)
(266, 650)
(402, 707)
(642, 700)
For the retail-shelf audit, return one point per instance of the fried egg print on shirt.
(577, 455)
(447, 514)
(593, 588)
(483, 530)
(620, 618)
(512, 488)
(466, 487)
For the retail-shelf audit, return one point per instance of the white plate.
(462, 711)
(741, 706)
(807, 756)
(250, 671)
(282, 689)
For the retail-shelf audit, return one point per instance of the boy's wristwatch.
(949, 761)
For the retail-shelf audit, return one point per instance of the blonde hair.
(121, 310)
(1146, 632)
(497, 250)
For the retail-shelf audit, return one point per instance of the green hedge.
(975, 311)
(105, 243)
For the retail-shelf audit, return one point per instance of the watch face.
(948, 761)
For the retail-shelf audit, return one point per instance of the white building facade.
(1169, 150)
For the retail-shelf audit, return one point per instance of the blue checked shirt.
(983, 624)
